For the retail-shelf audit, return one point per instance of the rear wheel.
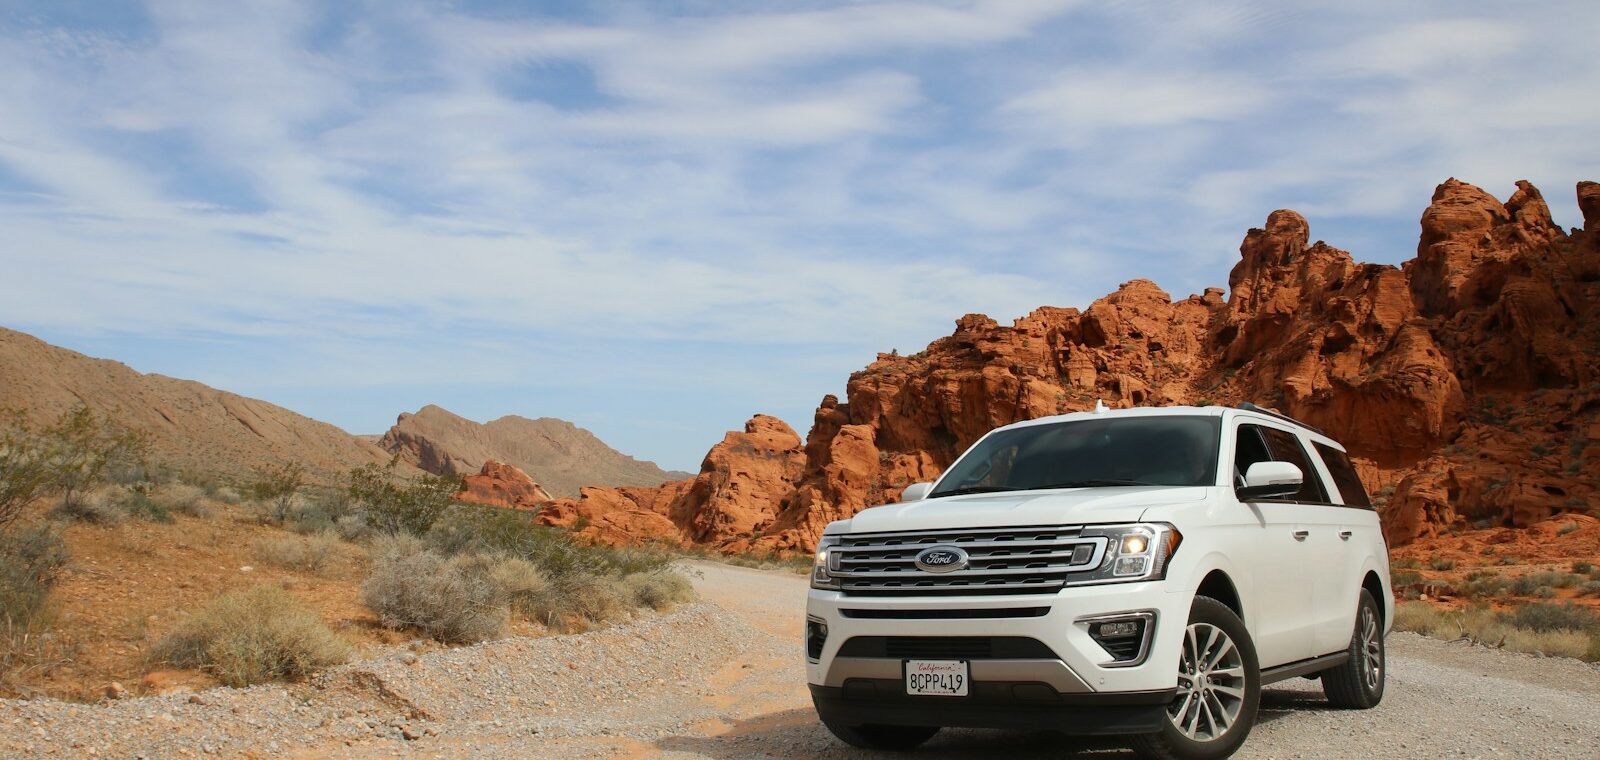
(873, 736)
(1219, 689)
(1358, 683)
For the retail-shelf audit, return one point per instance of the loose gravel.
(723, 679)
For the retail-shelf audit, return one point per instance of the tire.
(1227, 677)
(871, 736)
(1358, 684)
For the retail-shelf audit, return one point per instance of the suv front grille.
(947, 648)
(1020, 560)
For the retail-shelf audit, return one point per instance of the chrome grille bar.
(1014, 560)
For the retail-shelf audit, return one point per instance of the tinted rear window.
(1344, 476)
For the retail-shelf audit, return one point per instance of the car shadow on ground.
(797, 734)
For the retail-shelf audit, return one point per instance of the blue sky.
(655, 219)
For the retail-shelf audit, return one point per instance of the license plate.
(937, 678)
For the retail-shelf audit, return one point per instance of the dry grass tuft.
(1539, 628)
(247, 637)
(455, 601)
(307, 554)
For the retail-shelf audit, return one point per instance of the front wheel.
(873, 736)
(1358, 683)
(1219, 689)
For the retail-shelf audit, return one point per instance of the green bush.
(25, 473)
(84, 446)
(275, 487)
(1582, 568)
(396, 505)
(248, 637)
(472, 528)
(1442, 564)
(137, 504)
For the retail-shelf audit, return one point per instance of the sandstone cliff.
(560, 455)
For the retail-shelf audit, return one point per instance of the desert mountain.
(190, 426)
(1466, 382)
(561, 456)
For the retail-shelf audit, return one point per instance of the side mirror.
(1266, 480)
(916, 492)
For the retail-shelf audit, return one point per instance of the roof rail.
(1249, 407)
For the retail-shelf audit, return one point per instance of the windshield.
(1120, 451)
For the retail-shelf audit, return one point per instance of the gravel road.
(722, 679)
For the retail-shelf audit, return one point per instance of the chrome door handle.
(1300, 535)
(1344, 535)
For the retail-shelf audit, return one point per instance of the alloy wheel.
(1211, 684)
(1371, 648)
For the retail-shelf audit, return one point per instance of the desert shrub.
(275, 487)
(1590, 588)
(579, 600)
(471, 528)
(353, 528)
(1509, 560)
(31, 560)
(25, 474)
(393, 504)
(83, 447)
(138, 504)
(454, 600)
(247, 637)
(309, 554)
(1567, 528)
(102, 507)
(1533, 583)
(1407, 563)
(227, 495)
(1442, 563)
(1403, 578)
(1542, 617)
(183, 499)
(524, 586)
(1583, 568)
(658, 591)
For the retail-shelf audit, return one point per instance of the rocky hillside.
(560, 455)
(1467, 382)
(190, 426)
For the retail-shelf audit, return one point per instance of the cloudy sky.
(655, 219)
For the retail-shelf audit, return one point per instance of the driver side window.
(1248, 448)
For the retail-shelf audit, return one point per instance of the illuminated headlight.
(825, 561)
(1138, 552)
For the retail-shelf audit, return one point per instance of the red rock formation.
(1466, 383)
(501, 485)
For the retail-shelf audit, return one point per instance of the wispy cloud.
(704, 208)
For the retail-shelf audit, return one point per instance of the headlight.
(825, 561)
(1139, 552)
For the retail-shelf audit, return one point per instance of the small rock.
(114, 690)
(195, 699)
(409, 658)
(409, 735)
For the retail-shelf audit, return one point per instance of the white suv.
(1140, 571)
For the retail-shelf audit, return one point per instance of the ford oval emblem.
(941, 559)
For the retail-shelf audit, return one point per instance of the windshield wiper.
(1097, 484)
(971, 489)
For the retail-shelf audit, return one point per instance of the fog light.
(816, 637)
(1118, 628)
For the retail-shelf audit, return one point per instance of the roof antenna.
(1099, 406)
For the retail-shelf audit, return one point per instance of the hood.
(1063, 506)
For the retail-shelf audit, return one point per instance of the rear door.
(1356, 525)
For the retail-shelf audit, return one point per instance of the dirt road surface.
(723, 679)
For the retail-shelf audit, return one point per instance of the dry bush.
(524, 586)
(247, 637)
(578, 601)
(453, 600)
(308, 554)
(102, 507)
(659, 590)
(227, 495)
(183, 499)
(1548, 629)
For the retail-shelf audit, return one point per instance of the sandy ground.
(724, 679)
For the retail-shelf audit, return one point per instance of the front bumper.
(1075, 665)
(993, 704)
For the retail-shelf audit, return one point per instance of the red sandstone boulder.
(501, 485)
